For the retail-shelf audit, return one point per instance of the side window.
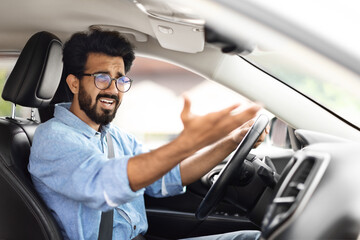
(7, 63)
(151, 109)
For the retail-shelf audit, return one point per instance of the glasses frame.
(111, 80)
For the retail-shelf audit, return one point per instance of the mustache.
(115, 97)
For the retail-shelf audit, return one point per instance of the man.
(69, 164)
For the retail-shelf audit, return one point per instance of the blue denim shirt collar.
(63, 113)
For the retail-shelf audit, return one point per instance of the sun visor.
(178, 36)
(174, 30)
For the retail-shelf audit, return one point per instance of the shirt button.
(134, 227)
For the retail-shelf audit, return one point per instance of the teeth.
(106, 101)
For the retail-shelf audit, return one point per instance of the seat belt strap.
(110, 145)
(106, 225)
(139, 237)
(106, 222)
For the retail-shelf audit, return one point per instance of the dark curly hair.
(78, 47)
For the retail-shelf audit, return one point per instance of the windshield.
(324, 81)
(333, 88)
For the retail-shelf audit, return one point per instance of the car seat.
(32, 83)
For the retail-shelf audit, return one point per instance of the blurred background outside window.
(7, 63)
(151, 109)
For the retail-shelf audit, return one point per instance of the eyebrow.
(119, 74)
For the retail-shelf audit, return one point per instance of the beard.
(104, 116)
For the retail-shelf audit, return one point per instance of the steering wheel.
(217, 190)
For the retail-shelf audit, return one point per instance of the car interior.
(32, 83)
(35, 82)
(301, 186)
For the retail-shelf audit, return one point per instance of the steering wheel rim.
(217, 190)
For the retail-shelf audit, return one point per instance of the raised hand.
(201, 131)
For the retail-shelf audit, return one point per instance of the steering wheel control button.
(267, 176)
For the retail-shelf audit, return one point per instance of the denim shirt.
(72, 173)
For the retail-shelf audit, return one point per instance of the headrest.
(37, 72)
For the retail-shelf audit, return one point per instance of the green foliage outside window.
(335, 96)
(5, 107)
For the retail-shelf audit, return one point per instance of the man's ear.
(73, 83)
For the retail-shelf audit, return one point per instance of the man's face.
(100, 106)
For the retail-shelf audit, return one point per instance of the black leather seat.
(32, 83)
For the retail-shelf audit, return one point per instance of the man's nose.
(112, 88)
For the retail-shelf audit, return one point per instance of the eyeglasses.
(104, 80)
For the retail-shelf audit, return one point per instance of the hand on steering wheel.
(217, 190)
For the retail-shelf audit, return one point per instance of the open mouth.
(107, 103)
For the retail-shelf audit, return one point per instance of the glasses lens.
(123, 84)
(102, 81)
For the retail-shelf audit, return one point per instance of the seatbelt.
(139, 237)
(106, 222)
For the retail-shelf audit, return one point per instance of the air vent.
(294, 188)
(290, 194)
(297, 182)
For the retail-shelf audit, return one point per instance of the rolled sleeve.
(169, 185)
(117, 188)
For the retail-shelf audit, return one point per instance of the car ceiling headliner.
(64, 17)
(21, 19)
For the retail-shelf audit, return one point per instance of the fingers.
(246, 116)
(262, 136)
(221, 116)
(267, 129)
(260, 140)
(206, 129)
(248, 124)
(185, 114)
(244, 119)
(228, 110)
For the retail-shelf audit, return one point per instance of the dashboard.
(316, 196)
